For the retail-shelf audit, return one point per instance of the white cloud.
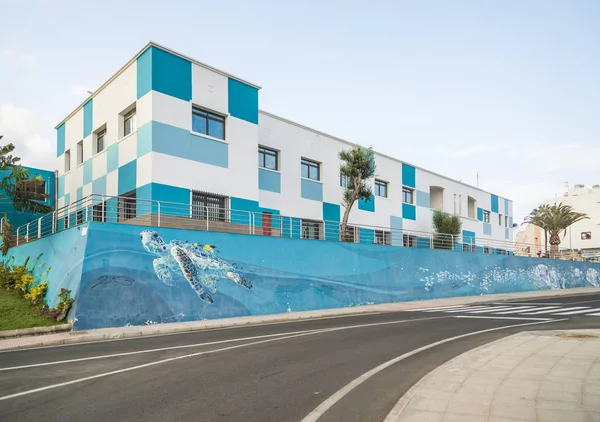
(19, 59)
(475, 149)
(30, 134)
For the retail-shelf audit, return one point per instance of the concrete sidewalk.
(180, 327)
(531, 376)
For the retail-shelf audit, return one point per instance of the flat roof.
(283, 119)
(134, 58)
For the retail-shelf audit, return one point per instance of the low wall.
(58, 258)
(120, 282)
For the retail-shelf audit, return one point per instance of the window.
(268, 158)
(79, 152)
(487, 249)
(586, 235)
(407, 195)
(383, 237)
(207, 205)
(506, 221)
(310, 169)
(208, 123)
(409, 241)
(311, 229)
(381, 188)
(79, 217)
(129, 122)
(38, 189)
(345, 181)
(499, 219)
(486, 216)
(67, 160)
(127, 206)
(99, 141)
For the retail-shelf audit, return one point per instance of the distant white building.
(583, 236)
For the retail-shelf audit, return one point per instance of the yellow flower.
(208, 248)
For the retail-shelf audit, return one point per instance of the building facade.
(168, 128)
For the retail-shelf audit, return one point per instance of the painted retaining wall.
(120, 282)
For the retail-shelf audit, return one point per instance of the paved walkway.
(179, 327)
(531, 376)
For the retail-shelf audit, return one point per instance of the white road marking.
(340, 394)
(598, 314)
(528, 303)
(503, 317)
(491, 309)
(518, 310)
(162, 349)
(437, 308)
(555, 310)
(158, 362)
(473, 308)
(581, 311)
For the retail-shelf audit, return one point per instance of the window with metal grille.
(206, 205)
(383, 238)
(487, 249)
(381, 188)
(208, 123)
(409, 241)
(79, 217)
(268, 158)
(30, 187)
(486, 216)
(310, 169)
(311, 229)
(350, 234)
(127, 206)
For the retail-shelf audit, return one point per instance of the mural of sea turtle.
(199, 264)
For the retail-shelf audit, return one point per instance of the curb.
(36, 331)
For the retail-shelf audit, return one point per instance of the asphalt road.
(297, 371)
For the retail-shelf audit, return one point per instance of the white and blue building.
(169, 128)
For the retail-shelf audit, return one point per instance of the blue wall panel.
(311, 190)
(269, 180)
(99, 186)
(494, 200)
(409, 177)
(181, 143)
(409, 212)
(144, 139)
(423, 199)
(88, 117)
(60, 140)
(112, 158)
(468, 236)
(127, 177)
(331, 217)
(396, 226)
(245, 211)
(487, 229)
(506, 207)
(243, 101)
(367, 205)
(144, 73)
(87, 172)
(507, 233)
(171, 74)
(480, 214)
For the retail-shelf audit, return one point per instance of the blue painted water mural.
(252, 275)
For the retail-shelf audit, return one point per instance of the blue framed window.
(208, 123)
(408, 195)
(268, 158)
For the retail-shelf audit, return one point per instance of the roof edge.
(283, 119)
(134, 58)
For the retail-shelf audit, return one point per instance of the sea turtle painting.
(198, 264)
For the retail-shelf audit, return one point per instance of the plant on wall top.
(447, 227)
(554, 220)
(356, 168)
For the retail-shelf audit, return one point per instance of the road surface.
(352, 368)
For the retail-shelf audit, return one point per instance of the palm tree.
(555, 219)
(446, 226)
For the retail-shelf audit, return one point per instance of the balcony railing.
(144, 212)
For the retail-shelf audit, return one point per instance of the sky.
(507, 89)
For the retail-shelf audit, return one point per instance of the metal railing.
(145, 212)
